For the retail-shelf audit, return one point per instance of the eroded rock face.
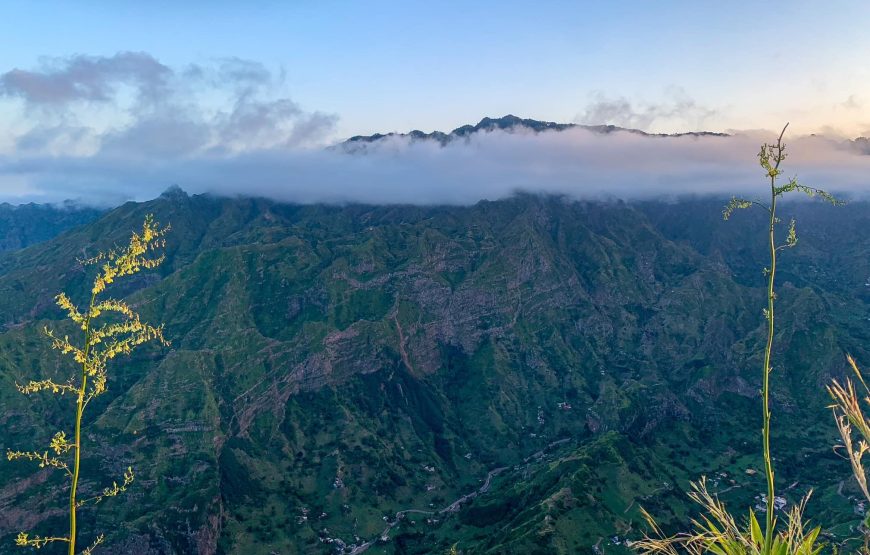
(403, 353)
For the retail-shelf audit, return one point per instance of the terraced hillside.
(334, 366)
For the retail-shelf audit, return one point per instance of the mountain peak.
(174, 192)
(508, 120)
(509, 123)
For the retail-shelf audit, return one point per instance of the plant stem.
(765, 392)
(75, 476)
(78, 439)
(765, 395)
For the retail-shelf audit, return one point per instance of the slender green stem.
(765, 394)
(75, 476)
(773, 172)
(78, 432)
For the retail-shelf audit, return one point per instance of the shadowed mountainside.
(26, 224)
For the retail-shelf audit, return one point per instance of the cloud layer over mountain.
(107, 129)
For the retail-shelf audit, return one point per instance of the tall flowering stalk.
(717, 531)
(770, 158)
(107, 328)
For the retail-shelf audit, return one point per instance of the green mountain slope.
(26, 224)
(332, 366)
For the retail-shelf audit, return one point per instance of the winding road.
(451, 508)
(455, 506)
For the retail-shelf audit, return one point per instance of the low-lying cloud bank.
(494, 165)
(102, 130)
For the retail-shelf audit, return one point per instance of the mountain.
(508, 123)
(861, 144)
(554, 363)
(25, 224)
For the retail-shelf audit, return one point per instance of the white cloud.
(132, 105)
(105, 130)
(680, 110)
(493, 165)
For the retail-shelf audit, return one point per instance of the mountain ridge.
(22, 225)
(333, 365)
(512, 123)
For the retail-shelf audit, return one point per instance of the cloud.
(132, 106)
(619, 111)
(578, 163)
(86, 78)
(103, 130)
(852, 103)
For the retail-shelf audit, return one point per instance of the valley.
(527, 372)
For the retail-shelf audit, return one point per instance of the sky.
(97, 95)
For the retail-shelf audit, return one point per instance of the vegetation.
(286, 373)
(28, 224)
(717, 531)
(848, 414)
(107, 328)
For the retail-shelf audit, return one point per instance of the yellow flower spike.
(60, 444)
(100, 342)
(66, 304)
(24, 540)
(45, 385)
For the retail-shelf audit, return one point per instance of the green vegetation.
(643, 317)
(99, 344)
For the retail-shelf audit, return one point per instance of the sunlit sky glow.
(103, 81)
(434, 65)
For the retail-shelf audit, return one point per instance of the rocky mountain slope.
(558, 362)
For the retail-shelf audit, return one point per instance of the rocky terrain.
(331, 367)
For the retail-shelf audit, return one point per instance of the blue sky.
(109, 101)
(435, 65)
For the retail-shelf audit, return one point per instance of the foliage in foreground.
(717, 531)
(848, 414)
(107, 328)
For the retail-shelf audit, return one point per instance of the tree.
(106, 329)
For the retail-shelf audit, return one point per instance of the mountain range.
(510, 123)
(518, 376)
(25, 224)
